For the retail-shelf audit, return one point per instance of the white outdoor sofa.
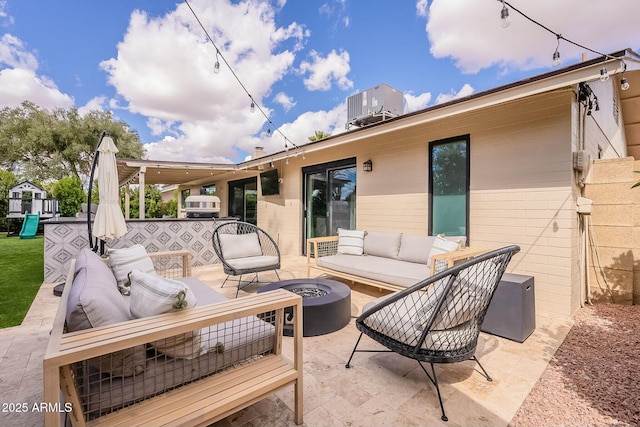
(392, 261)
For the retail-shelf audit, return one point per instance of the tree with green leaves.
(49, 145)
(318, 135)
(70, 195)
(153, 202)
(7, 181)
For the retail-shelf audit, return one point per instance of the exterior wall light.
(367, 166)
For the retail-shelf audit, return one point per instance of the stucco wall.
(615, 232)
(522, 188)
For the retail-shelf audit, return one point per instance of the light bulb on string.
(556, 54)
(604, 74)
(624, 84)
(216, 66)
(253, 107)
(504, 16)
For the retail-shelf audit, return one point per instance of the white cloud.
(465, 90)
(325, 71)
(164, 70)
(417, 102)
(19, 80)
(286, 101)
(453, 28)
(422, 8)
(97, 103)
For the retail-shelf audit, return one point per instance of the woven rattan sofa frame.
(501, 257)
(267, 244)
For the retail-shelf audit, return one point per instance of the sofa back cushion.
(235, 246)
(415, 248)
(382, 244)
(94, 301)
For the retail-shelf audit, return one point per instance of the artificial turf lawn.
(21, 274)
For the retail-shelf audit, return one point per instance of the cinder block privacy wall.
(615, 244)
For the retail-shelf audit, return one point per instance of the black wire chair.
(244, 248)
(437, 320)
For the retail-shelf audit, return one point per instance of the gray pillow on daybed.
(94, 301)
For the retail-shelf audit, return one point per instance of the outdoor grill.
(202, 206)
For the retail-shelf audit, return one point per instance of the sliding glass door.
(329, 198)
(243, 200)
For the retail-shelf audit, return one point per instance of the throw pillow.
(152, 294)
(123, 261)
(351, 242)
(441, 246)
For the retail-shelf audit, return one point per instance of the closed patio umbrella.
(109, 221)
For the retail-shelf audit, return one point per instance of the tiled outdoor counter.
(65, 237)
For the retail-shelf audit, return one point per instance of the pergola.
(143, 172)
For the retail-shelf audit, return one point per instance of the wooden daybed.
(187, 392)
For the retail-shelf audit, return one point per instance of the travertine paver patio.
(379, 389)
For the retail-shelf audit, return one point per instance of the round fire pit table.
(326, 305)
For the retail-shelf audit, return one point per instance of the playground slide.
(30, 226)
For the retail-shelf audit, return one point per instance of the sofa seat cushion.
(253, 262)
(235, 341)
(392, 271)
(205, 295)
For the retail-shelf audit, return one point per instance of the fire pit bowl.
(326, 305)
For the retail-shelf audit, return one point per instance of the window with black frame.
(449, 187)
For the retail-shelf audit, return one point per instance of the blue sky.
(148, 61)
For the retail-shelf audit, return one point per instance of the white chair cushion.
(239, 245)
(253, 262)
(351, 242)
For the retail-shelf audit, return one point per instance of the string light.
(216, 66)
(624, 84)
(604, 75)
(556, 54)
(504, 16)
(216, 69)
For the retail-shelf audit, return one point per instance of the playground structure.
(30, 225)
(29, 203)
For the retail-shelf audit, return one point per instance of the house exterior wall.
(521, 191)
(522, 187)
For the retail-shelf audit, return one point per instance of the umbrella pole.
(94, 245)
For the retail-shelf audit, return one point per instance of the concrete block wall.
(615, 231)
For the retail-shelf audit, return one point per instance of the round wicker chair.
(437, 320)
(244, 248)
